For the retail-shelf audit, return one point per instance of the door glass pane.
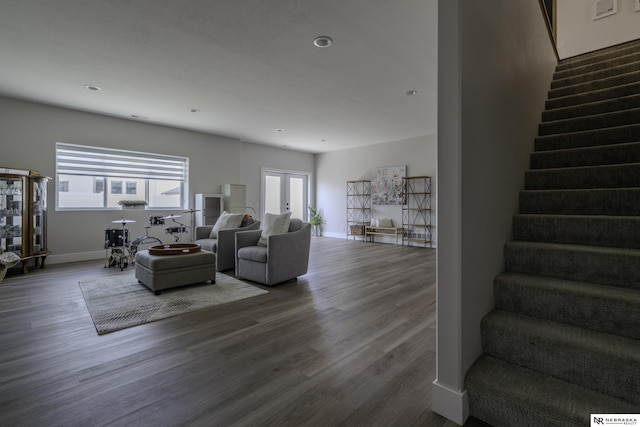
(296, 197)
(272, 194)
(11, 199)
(39, 215)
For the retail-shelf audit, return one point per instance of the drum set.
(120, 251)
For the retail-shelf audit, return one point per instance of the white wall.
(578, 33)
(29, 131)
(495, 66)
(334, 169)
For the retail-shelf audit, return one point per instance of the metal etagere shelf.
(358, 207)
(416, 211)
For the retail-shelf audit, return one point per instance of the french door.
(285, 192)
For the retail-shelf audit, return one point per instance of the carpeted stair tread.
(596, 66)
(607, 309)
(596, 121)
(600, 55)
(589, 138)
(586, 156)
(610, 93)
(603, 362)
(593, 230)
(608, 82)
(592, 108)
(607, 201)
(503, 394)
(581, 263)
(584, 177)
(567, 317)
(608, 70)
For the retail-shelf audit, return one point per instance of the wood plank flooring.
(350, 343)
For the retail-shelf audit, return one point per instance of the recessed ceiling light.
(279, 130)
(195, 110)
(323, 41)
(411, 92)
(92, 87)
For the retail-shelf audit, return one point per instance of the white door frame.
(286, 172)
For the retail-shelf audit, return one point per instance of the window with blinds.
(98, 178)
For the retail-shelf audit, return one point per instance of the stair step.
(608, 82)
(567, 318)
(594, 264)
(610, 71)
(594, 230)
(607, 309)
(602, 362)
(503, 394)
(608, 201)
(609, 93)
(589, 138)
(600, 55)
(597, 121)
(584, 177)
(587, 156)
(593, 108)
(597, 66)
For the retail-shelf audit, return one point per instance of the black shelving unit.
(358, 207)
(416, 211)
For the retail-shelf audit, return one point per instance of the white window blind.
(95, 161)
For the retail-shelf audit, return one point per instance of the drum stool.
(158, 272)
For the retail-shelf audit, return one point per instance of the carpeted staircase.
(564, 339)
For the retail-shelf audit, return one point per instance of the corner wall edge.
(449, 403)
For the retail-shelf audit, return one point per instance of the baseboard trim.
(449, 403)
(75, 257)
(379, 239)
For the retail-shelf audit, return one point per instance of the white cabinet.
(208, 207)
(234, 197)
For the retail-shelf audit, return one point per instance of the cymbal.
(123, 221)
(171, 216)
(191, 211)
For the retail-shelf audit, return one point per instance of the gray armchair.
(225, 245)
(285, 257)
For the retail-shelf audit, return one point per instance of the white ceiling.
(248, 66)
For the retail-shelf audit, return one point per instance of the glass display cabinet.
(23, 215)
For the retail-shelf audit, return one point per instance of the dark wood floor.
(350, 343)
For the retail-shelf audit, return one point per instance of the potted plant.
(132, 204)
(315, 220)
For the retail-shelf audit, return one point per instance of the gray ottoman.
(158, 272)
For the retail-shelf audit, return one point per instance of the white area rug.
(119, 302)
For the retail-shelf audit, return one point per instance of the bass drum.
(142, 243)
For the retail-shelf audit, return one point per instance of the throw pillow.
(274, 224)
(225, 220)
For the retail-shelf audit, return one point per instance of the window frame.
(147, 167)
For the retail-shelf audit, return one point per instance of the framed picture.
(386, 187)
(602, 8)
